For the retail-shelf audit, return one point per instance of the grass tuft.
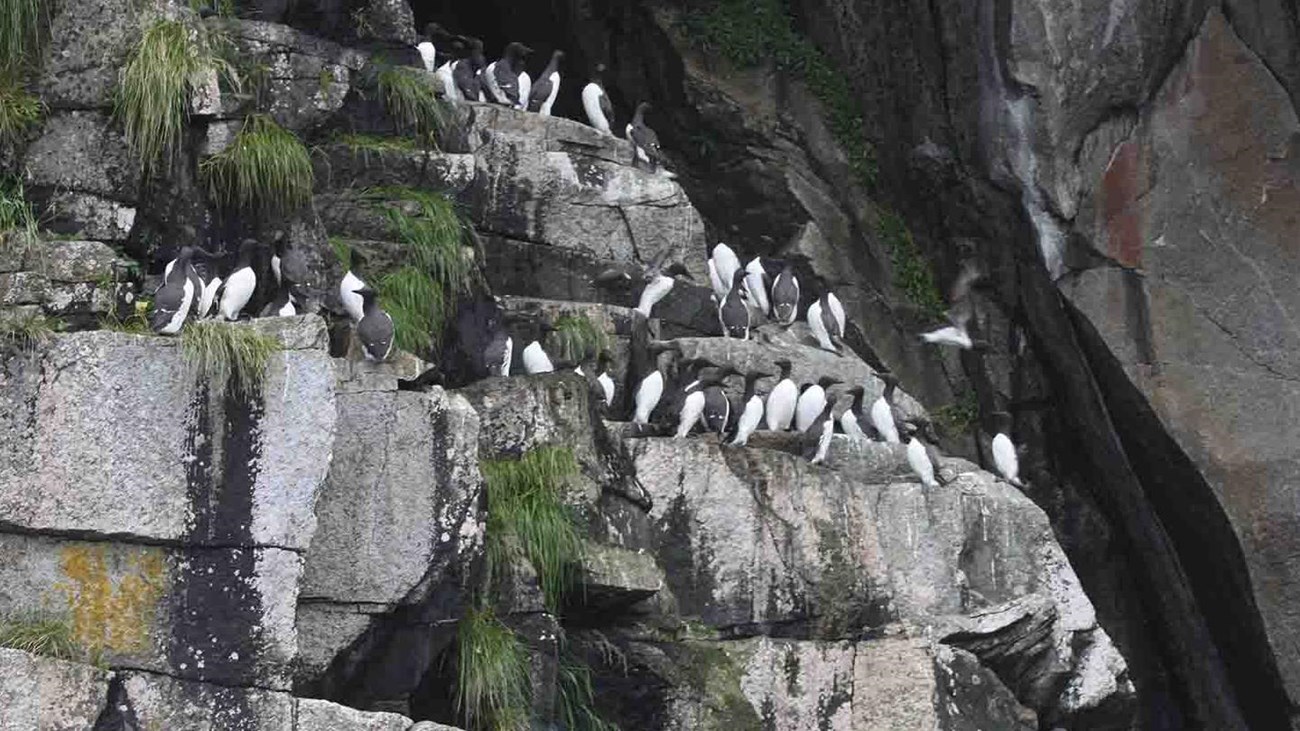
(22, 29)
(26, 334)
(19, 109)
(957, 418)
(224, 353)
(577, 698)
(527, 518)
(159, 79)
(492, 682)
(342, 251)
(416, 304)
(408, 97)
(360, 143)
(577, 338)
(41, 635)
(912, 274)
(18, 226)
(748, 32)
(266, 170)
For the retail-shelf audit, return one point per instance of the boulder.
(82, 152)
(42, 694)
(88, 45)
(147, 700)
(316, 715)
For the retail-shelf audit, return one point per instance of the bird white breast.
(849, 422)
(1005, 459)
(726, 262)
(238, 290)
(525, 88)
(692, 410)
(754, 284)
(489, 78)
(446, 77)
(536, 360)
(427, 54)
(555, 91)
(811, 403)
(750, 418)
(824, 441)
(882, 418)
(606, 385)
(578, 370)
(509, 355)
(388, 350)
(275, 267)
(648, 394)
(715, 281)
(208, 297)
(818, 327)
(591, 94)
(352, 301)
(178, 320)
(948, 336)
(287, 309)
(656, 290)
(837, 311)
(780, 405)
(920, 462)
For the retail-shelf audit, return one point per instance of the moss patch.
(912, 274)
(958, 417)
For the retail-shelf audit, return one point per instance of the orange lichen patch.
(112, 600)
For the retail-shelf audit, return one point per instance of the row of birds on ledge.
(466, 75)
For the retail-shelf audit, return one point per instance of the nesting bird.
(723, 264)
(465, 73)
(177, 295)
(826, 320)
(851, 419)
(1005, 458)
(751, 414)
(882, 411)
(785, 295)
(781, 402)
(595, 102)
(820, 434)
(375, 328)
(506, 79)
(240, 284)
(543, 93)
(918, 457)
(733, 310)
(812, 400)
(645, 143)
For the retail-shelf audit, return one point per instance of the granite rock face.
(41, 694)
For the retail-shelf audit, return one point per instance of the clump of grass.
(161, 75)
(912, 274)
(342, 251)
(527, 518)
(41, 635)
(361, 143)
(266, 170)
(26, 334)
(223, 353)
(136, 323)
(748, 32)
(18, 226)
(19, 109)
(577, 698)
(409, 99)
(577, 338)
(416, 303)
(22, 29)
(958, 417)
(492, 688)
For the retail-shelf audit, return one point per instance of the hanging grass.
(160, 78)
(18, 225)
(266, 170)
(527, 518)
(492, 683)
(408, 97)
(225, 354)
(41, 635)
(576, 338)
(577, 698)
(19, 109)
(416, 304)
(912, 273)
(22, 29)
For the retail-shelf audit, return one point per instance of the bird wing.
(525, 88)
(606, 106)
(646, 139)
(539, 93)
(657, 262)
(966, 278)
(506, 82)
(961, 312)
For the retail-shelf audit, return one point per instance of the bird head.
(367, 294)
(828, 381)
(557, 55)
(678, 269)
(738, 279)
(784, 365)
(516, 50)
(888, 378)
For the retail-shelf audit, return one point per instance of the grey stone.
(90, 216)
(88, 45)
(387, 20)
(615, 577)
(317, 715)
(77, 261)
(23, 288)
(431, 726)
(325, 629)
(43, 694)
(82, 152)
(157, 701)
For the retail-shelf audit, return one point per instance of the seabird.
(882, 411)
(595, 102)
(375, 329)
(645, 143)
(543, 93)
(174, 299)
(785, 295)
(465, 73)
(726, 264)
(498, 353)
(603, 378)
(752, 415)
(812, 400)
(781, 402)
(820, 434)
(1004, 450)
(288, 264)
(651, 387)
(428, 54)
(826, 320)
(535, 359)
(851, 419)
(504, 77)
(691, 401)
(282, 305)
(733, 312)
(208, 297)
(919, 458)
(348, 288)
(240, 283)
(961, 309)
(658, 280)
(756, 284)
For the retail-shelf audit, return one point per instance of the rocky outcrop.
(50, 695)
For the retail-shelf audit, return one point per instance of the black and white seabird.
(465, 73)
(498, 353)
(505, 77)
(1005, 458)
(752, 409)
(282, 305)
(717, 407)
(288, 264)
(658, 280)
(542, 96)
(961, 309)
(733, 310)
(428, 53)
(690, 402)
(375, 330)
(650, 389)
(757, 283)
(812, 400)
(725, 264)
(645, 143)
(852, 419)
(603, 378)
(534, 355)
(826, 320)
(921, 461)
(781, 402)
(240, 284)
(883, 411)
(785, 295)
(177, 296)
(820, 434)
(595, 102)
(348, 288)
(206, 282)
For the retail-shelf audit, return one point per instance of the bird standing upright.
(375, 329)
(811, 402)
(241, 282)
(645, 143)
(826, 320)
(542, 96)
(751, 414)
(733, 311)
(781, 402)
(1005, 458)
(785, 295)
(595, 102)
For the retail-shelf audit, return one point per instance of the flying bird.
(961, 310)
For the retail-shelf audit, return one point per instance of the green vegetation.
(359, 143)
(342, 251)
(957, 418)
(408, 96)
(492, 683)
(912, 273)
(527, 518)
(26, 334)
(158, 82)
(41, 635)
(22, 27)
(576, 698)
(18, 225)
(266, 170)
(748, 32)
(19, 109)
(222, 353)
(416, 304)
(577, 338)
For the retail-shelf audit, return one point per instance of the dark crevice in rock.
(1199, 530)
(118, 715)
